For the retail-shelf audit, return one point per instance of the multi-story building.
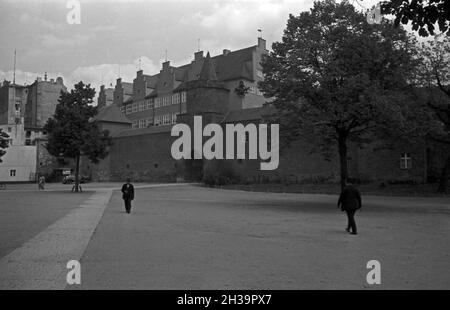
(42, 99)
(152, 100)
(208, 87)
(24, 110)
(105, 97)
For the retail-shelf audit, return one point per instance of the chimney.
(119, 81)
(52, 81)
(198, 55)
(140, 72)
(166, 65)
(39, 79)
(226, 52)
(102, 88)
(261, 43)
(59, 80)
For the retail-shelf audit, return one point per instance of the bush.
(219, 172)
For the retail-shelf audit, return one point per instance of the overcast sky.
(114, 35)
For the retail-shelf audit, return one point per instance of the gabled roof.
(234, 65)
(111, 114)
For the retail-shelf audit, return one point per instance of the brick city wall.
(147, 157)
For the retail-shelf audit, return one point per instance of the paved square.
(193, 237)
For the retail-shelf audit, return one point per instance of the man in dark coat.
(350, 201)
(128, 194)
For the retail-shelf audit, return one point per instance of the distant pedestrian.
(41, 182)
(128, 194)
(350, 201)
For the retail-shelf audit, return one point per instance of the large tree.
(334, 78)
(71, 133)
(435, 72)
(3, 143)
(423, 14)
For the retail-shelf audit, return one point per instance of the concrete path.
(41, 263)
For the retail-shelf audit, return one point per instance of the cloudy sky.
(115, 36)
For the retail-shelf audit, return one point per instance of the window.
(135, 124)
(167, 100)
(12, 173)
(122, 109)
(134, 107)
(157, 102)
(149, 122)
(183, 97)
(128, 109)
(141, 106)
(176, 98)
(174, 118)
(183, 108)
(166, 119)
(405, 161)
(157, 120)
(142, 123)
(150, 103)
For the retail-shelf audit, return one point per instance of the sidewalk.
(40, 263)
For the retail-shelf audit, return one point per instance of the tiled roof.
(111, 114)
(234, 65)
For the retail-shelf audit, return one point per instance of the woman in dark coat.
(128, 194)
(350, 201)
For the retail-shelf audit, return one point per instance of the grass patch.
(419, 190)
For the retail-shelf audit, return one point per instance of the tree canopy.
(435, 77)
(71, 134)
(335, 78)
(423, 14)
(3, 143)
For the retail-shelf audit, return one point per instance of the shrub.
(219, 172)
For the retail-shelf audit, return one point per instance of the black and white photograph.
(224, 150)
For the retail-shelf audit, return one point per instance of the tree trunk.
(342, 145)
(77, 175)
(443, 182)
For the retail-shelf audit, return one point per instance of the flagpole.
(14, 77)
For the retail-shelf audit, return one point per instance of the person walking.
(350, 201)
(41, 182)
(128, 194)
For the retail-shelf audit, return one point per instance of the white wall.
(21, 158)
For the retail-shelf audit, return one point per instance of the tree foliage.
(3, 143)
(435, 74)
(423, 14)
(334, 78)
(71, 133)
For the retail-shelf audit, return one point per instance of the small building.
(24, 110)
